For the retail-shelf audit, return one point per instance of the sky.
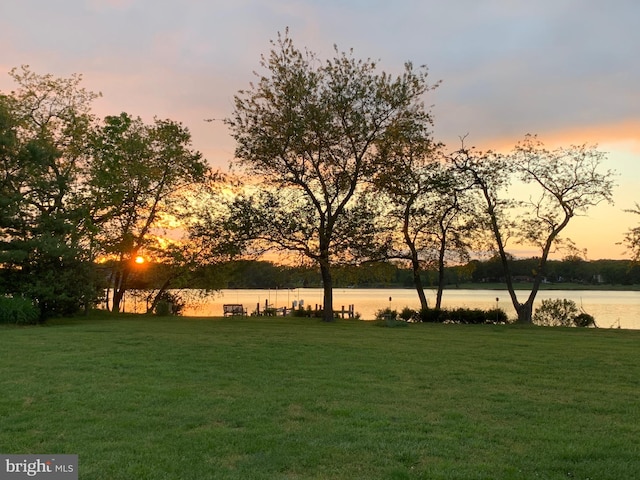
(566, 70)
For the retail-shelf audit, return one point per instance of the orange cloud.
(624, 135)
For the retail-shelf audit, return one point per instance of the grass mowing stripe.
(155, 398)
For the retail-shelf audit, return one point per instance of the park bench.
(234, 309)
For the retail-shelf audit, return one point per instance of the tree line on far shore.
(571, 272)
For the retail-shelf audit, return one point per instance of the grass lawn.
(253, 398)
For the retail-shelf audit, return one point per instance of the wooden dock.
(270, 311)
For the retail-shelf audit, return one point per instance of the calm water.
(610, 308)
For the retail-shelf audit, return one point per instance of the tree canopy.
(74, 192)
(564, 182)
(44, 125)
(311, 133)
(632, 237)
(136, 174)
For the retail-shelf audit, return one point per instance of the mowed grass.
(256, 398)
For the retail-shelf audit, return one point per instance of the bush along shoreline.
(466, 316)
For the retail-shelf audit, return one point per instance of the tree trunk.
(120, 288)
(107, 305)
(441, 254)
(417, 281)
(327, 285)
(156, 298)
(521, 309)
(415, 262)
(525, 311)
(118, 294)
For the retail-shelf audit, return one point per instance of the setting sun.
(139, 260)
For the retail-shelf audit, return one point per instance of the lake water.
(611, 309)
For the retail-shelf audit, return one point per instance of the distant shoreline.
(544, 286)
(469, 286)
(489, 286)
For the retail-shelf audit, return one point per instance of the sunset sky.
(567, 70)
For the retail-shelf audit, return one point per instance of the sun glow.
(139, 260)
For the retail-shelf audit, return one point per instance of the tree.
(311, 132)
(10, 197)
(207, 241)
(451, 229)
(409, 174)
(429, 204)
(632, 237)
(44, 129)
(563, 183)
(138, 173)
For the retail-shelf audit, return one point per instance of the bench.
(234, 309)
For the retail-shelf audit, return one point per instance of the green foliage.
(57, 277)
(52, 274)
(18, 310)
(44, 253)
(561, 313)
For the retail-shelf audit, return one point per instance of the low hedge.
(18, 311)
(463, 315)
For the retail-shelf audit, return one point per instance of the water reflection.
(611, 309)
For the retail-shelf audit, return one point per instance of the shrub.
(408, 314)
(496, 315)
(169, 304)
(584, 320)
(386, 314)
(555, 312)
(301, 312)
(19, 311)
(163, 308)
(431, 315)
(468, 316)
(561, 313)
(463, 315)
